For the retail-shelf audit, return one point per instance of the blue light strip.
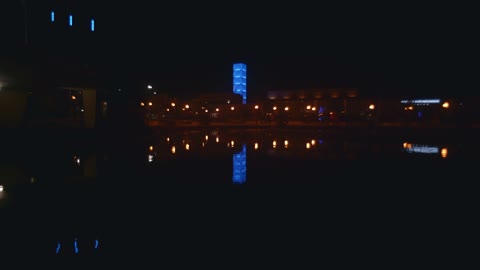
(92, 25)
(58, 247)
(75, 245)
(70, 20)
(52, 16)
(240, 166)
(96, 244)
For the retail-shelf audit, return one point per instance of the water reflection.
(176, 145)
(240, 166)
(200, 156)
(425, 149)
(172, 153)
(223, 156)
(74, 247)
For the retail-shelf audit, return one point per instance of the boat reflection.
(425, 149)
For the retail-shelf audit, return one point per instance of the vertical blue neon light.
(52, 16)
(240, 80)
(92, 25)
(240, 166)
(58, 247)
(70, 20)
(75, 245)
(96, 244)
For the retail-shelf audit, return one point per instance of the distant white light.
(421, 101)
(1, 188)
(149, 87)
(423, 149)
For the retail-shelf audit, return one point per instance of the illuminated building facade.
(240, 166)
(240, 80)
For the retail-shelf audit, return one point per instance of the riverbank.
(301, 124)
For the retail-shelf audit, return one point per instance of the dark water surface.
(228, 197)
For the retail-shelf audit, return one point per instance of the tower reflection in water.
(240, 166)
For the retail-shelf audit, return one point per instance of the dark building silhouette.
(48, 42)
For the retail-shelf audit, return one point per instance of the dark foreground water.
(254, 198)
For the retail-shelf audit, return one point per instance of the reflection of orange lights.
(142, 104)
(372, 107)
(275, 108)
(217, 109)
(187, 146)
(313, 142)
(309, 107)
(286, 108)
(256, 107)
(74, 97)
(308, 146)
(150, 103)
(407, 145)
(217, 139)
(446, 105)
(150, 148)
(444, 152)
(173, 150)
(256, 146)
(232, 108)
(274, 144)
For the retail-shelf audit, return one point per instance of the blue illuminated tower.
(240, 166)
(240, 80)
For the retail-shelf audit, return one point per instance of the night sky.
(388, 49)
